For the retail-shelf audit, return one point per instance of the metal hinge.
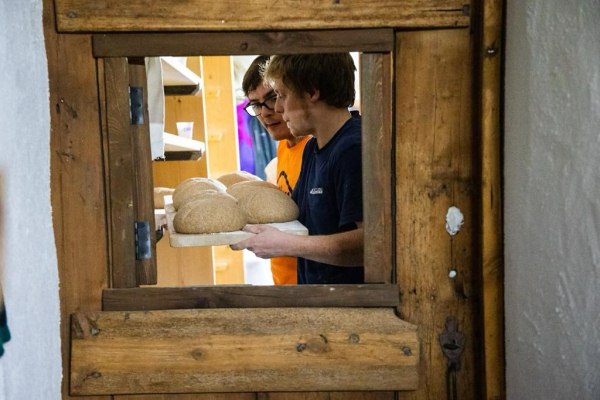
(136, 105)
(143, 246)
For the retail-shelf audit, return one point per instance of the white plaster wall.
(30, 368)
(552, 199)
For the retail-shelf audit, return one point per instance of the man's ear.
(314, 95)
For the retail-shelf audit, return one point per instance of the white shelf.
(178, 143)
(178, 77)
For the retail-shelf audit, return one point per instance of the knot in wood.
(93, 374)
(197, 354)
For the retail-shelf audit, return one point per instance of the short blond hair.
(332, 74)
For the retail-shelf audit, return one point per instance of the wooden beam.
(249, 297)
(249, 43)
(121, 172)
(236, 15)
(492, 268)
(241, 350)
(142, 165)
(436, 157)
(377, 155)
(76, 181)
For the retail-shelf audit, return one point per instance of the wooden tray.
(223, 238)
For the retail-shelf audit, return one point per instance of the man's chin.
(278, 133)
(299, 134)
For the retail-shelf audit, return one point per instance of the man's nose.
(278, 106)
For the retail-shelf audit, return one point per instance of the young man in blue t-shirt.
(314, 92)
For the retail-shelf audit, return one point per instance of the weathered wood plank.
(229, 43)
(236, 15)
(76, 178)
(195, 396)
(121, 172)
(237, 350)
(435, 158)
(145, 269)
(327, 396)
(250, 297)
(376, 106)
(492, 273)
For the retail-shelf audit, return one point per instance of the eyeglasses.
(255, 108)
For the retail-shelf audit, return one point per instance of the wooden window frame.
(376, 47)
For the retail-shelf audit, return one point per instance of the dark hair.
(253, 76)
(331, 74)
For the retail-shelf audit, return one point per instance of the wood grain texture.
(327, 396)
(492, 274)
(237, 350)
(249, 43)
(236, 15)
(222, 149)
(120, 172)
(76, 178)
(435, 158)
(377, 145)
(195, 396)
(250, 297)
(188, 266)
(143, 184)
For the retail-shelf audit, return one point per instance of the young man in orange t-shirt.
(262, 99)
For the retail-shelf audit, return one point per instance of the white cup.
(185, 129)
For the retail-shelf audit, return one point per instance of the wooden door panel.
(435, 170)
(427, 294)
(242, 350)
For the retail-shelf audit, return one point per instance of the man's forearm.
(344, 249)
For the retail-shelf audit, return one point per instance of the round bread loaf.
(159, 196)
(263, 204)
(190, 188)
(237, 189)
(235, 177)
(212, 213)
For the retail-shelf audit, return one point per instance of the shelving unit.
(178, 148)
(178, 79)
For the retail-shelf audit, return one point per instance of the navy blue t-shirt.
(329, 195)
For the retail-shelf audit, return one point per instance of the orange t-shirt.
(289, 161)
